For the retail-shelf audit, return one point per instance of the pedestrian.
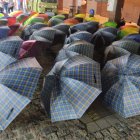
(5, 5)
(10, 6)
(1, 6)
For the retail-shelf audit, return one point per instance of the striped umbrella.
(18, 80)
(71, 87)
(120, 80)
(135, 37)
(78, 47)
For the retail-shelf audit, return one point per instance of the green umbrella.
(110, 24)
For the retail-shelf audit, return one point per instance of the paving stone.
(62, 132)
(98, 135)
(112, 119)
(50, 129)
(81, 133)
(52, 136)
(102, 123)
(29, 136)
(108, 138)
(112, 130)
(105, 132)
(92, 127)
(86, 119)
(68, 137)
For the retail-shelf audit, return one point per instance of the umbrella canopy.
(54, 21)
(62, 27)
(112, 30)
(11, 45)
(91, 27)
(110, 24)
(120, 80)
(102, 39)
(71, 87)
(71, 21)
(3, 22)
(18, 80)
(81, 35)
(62, 17)
(13, 29)
(135, 37)
(4, 30)
(78, 47)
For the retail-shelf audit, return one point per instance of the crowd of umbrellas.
(90, 61)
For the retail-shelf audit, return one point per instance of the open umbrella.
(71, 87)
(18, 80)
(110, 24)
(75, 48)
(11, 45)
(120, 80)
(54, 21)
(81, 35)
(4, 30)
(135, 37)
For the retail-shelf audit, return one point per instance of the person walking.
(10, 6)
(5, 5)
(1, 6)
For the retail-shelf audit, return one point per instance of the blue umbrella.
(18, 80)
(75, 48)
(135, 37)
(71, 87)
(82, 35)
(4, 30)
(11, 45)
(120, 80)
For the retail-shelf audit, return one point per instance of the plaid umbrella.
(71, 87)
(13, 29)
(78, 47)
(4, 30)
(62, 27)
(120, 80)
(54, 21)
(135, 37)
(46, 34)
(112, 30)
(18, 80)
(81, 35)
(91, 27)
(11, 45)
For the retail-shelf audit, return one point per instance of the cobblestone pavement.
(97, 123)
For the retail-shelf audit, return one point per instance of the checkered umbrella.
(4, 30)
(112, 30)
(120, 80)
(54, 21)
(11, 45)
(71, 87)
(28, 31)
(18, 80)
(62, 27)
(46, 34)
(78, 47)
(81, 35)
(135, 37)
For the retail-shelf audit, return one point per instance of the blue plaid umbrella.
(11, 45)
(44, 35)
(77, 47)
(135, 37)
(71, 87)
(120, 48)
(112, 30)
(4, 30)
(18, 80)
(120, 80)
(91, 27)
(62, 27)
(82, 35)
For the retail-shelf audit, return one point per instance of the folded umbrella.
(11, 45)
(71, 87)
(18, 80)
(4, 30)
(120, 80)
(78, 47)
(81, 35)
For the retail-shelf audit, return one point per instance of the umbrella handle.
(10, 113)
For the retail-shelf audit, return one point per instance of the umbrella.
(102, 39)
(91, 27)
(75, 48)
(4, 30)
(62, 17)
(71, 87)
(54, 21)
(11, 45)
(11, 21)
(71, 21)
(112, 30)
(81, 35)
(110, 24)
(120, 80)
(3, 21)
(135, 37)
(13, 29)
(18, 82)
(62, 27)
